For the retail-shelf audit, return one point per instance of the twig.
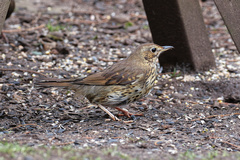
(138, 16)
(63, 144)
(89, 106)
(22, 30)
(23, 125)
(87, 137)
(52, 139)
(68, 20)
(212, 116)
(22, 70)
(233, 145)
(41, 109)
(232, 60)
(226, 142)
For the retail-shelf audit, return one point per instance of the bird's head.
(149, 52)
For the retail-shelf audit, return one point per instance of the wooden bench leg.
(4, 5)
(230, 12)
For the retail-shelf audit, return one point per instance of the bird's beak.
(165, 48)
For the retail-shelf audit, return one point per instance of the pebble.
(112, 140)
(78, 142)
(160, 142)
(158, 93)
(28, 158)
(178, 96)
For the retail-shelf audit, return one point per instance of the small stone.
(178, 95)
(158, 93)
(160, 142)
(112, 140)
(28, 158)
(132, 28)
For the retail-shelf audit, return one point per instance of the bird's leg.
(109, 113)
(128, 114)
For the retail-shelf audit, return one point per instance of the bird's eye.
(153, 50)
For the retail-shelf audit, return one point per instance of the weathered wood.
(179, 23)
(230, 12)
(10, 9)
(4, 5)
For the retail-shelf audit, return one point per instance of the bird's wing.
(115, 75)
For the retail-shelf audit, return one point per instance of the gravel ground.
(196, 112)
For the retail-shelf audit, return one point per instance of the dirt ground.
(186, 112)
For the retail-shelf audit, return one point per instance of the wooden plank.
(179, 23)
(4, 5)
(230, 12)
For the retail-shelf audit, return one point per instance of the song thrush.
(124, 82)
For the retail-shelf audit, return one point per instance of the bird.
(124, 82)
(9, 13)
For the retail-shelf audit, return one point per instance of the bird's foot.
(128, 114)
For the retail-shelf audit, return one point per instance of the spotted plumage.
(122, 83)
